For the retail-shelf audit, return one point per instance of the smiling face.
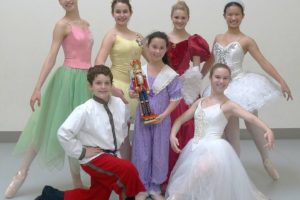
(102, 86)
(219, 78)
(100, 80)
(157, 49)
(68, 5)
(121, 13)
(180, 19)
(233, 16)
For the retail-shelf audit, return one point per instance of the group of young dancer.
(85, 112)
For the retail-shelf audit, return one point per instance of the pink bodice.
(77, 48)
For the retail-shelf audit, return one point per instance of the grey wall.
(26, 33)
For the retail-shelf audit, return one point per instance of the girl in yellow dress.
(122, 45)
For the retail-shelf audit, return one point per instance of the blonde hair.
(180, 5)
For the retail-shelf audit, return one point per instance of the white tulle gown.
(208, 167)
(249, 90)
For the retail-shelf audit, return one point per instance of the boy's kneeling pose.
(93, 133)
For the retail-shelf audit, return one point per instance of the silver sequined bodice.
(232, 55)
(209, 122)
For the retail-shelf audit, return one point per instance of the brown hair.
(180, 5)
(96, 70)
(217, 66)
(163, 36)
(114, 2)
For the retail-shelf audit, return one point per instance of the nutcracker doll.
(140, 86)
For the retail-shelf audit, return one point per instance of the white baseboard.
(280, 133)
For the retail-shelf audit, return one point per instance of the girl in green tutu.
(66, 89)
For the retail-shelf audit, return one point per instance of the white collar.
(163, 79)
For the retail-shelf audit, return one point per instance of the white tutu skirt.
(210, 170)
(250, 90)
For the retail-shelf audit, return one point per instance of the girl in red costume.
(184, 48)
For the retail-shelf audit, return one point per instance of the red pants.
(108, 173)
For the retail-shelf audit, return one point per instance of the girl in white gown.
(208, 168)
(249, 90)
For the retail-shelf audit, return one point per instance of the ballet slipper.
(156, 196)
(15, 184)
(142, 196)
(270, 168)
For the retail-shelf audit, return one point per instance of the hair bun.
(236, 1)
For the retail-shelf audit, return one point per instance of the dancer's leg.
(125, 149)
(75, 172)
(232, 134)
(258, 137)
(108, 173)
(21, 175)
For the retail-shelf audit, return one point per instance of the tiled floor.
(285, 156)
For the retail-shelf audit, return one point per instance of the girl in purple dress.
(150, 148)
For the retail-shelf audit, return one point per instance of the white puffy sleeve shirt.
(88, 125)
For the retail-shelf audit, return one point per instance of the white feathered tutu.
(250, 90)
(191, 84)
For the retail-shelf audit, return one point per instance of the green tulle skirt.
(67, 89)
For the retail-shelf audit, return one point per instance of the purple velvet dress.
(150, 150)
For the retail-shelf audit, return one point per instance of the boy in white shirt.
(93, 133)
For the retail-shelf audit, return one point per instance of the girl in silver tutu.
(249, 90)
